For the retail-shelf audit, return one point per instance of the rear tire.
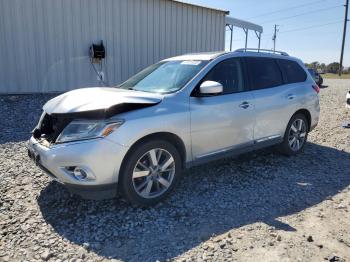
(295, 136)
(151, 171)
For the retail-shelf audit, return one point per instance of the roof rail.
(261, 50)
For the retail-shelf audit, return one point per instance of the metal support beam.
(246, 37)
(258, 35)
(231, 28)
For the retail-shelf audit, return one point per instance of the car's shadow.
(210, 200)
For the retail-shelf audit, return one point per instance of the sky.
(309, 29)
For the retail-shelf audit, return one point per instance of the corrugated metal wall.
(44, 44)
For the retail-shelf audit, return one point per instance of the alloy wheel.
(153, 173)
(297, 135)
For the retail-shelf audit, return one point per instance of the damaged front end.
(49, 128)
(88, 110)
(53, 128)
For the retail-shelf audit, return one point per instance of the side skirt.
(234, 151)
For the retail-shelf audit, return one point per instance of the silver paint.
(205, 125)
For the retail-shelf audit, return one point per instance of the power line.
(316, 33)
(266, 38)
(289, 8)
(302, 14)
(309, 27)
(298, 29)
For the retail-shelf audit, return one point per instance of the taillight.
(316, 88)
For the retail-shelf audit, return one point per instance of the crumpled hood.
(99, 102)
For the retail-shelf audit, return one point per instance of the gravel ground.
(258, 207)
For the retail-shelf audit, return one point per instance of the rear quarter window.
(312, 72)
(292, 71)
(263, 72)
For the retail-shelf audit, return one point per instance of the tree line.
(330, 68)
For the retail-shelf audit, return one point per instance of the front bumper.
(101, 158)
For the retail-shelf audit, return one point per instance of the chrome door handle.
(244, 105)
(291, 96)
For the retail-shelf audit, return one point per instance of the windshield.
(164, 77)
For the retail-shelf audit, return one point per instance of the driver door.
(222, 122)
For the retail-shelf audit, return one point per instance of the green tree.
(333, 68)
(323, 67)
(315, 65)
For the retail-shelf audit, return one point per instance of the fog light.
(79, 173)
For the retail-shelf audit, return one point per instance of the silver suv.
(183, 111)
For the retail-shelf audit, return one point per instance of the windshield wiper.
(125, 88)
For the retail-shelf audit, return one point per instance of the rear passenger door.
(274, 98)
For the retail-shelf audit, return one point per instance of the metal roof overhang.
(243, 24)
(246, 26)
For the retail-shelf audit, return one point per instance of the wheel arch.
(167, 136)
(306, 113)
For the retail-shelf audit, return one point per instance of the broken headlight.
(87, 129)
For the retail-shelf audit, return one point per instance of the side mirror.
(210, 88)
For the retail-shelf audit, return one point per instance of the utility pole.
(275, 36)
(344, 35)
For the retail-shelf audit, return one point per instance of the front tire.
(150, 173)
(295, 136)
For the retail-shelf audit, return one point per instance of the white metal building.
(44, 44)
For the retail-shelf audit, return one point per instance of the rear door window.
(292, 71)
(264, 72)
